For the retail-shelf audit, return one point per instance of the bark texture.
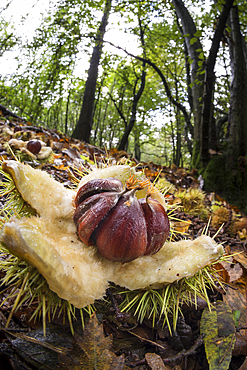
(194, 48)
(237, 146)
(207, 122)
(83, 127)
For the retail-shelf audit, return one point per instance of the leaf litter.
(118, 340)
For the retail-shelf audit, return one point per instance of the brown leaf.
(234, 270)
(244, 365)
(222, 272)
(236, 298)
(242, 234)
(92, 351)
(240, 346)
(240, 257)
(181, 226)
(71, 153)
(155, 362)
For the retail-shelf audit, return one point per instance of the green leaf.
(236, 316)
(198, 33)
(193, 40)
(218, 325)
(201, 55)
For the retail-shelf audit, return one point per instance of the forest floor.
(111, 340)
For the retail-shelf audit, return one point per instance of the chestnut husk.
(77, 274)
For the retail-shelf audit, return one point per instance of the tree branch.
(167, 89)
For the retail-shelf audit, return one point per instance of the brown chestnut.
(157, 223)
(34, 146)
(121, 226)
(122, 235)
(97, 186)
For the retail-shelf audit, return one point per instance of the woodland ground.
(124, 342)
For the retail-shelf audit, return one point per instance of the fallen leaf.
(242, 234)
(155, 362)
(240, 257)
(38, 351)
(181, 226)
(92, 351)
(235, 297)
(234, 270)
(218, 326)
(240, 347)
(244, 365)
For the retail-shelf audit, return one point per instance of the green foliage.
(7, 37)
(48, 85)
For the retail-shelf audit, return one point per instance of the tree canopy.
(169, 85)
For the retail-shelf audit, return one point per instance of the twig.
(183, 353)
(59, 350)
(179, 356)
(239, 328)
(146, 340)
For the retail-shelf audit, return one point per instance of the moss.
(196, 157)
(229, 184)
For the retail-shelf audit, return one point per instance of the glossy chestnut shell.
(121, 226)
(34, 146)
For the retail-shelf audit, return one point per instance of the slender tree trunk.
(194, 49)
(83, 127)
(137, 146)
(67, 113)
(97, 122)
(207, 123)
(189, 127)
(178, 128)
(124, 140)
(102, 127)
(123, 144)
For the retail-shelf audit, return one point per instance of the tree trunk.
(124, 140)
(83, 127)
(207, 122)
(67, 113)
(137, 146)
(237, 146)
(123, 144)
(202, 87)
(226, 174)
(194, 48)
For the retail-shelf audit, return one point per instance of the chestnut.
(121, 236)
(34, 146)
(121, 226)
(17, 129)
